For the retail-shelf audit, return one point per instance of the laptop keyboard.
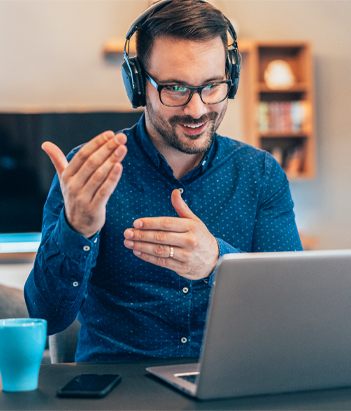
(190, 378)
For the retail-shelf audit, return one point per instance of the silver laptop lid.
(278, 322)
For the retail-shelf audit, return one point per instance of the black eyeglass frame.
(193, 90)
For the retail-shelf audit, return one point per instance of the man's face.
(189, 128)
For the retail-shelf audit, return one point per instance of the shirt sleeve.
(57, 285)
(275, 227)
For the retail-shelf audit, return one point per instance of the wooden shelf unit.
(289, 137)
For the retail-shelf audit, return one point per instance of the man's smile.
(193, 129)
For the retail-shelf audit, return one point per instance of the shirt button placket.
(181, 190)
(185, 291)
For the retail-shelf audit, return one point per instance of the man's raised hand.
(89, 179)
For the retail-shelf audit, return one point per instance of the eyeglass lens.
(179, 95)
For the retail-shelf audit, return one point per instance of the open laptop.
(277, 322)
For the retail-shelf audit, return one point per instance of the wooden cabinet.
(278, 94)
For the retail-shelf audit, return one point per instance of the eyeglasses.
(178, 95)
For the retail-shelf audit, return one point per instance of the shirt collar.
(146, 143)
(157, 158)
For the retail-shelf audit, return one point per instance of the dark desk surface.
(140, 391)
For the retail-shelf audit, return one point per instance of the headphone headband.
(154, 7)
(143, 16)
(133, 73)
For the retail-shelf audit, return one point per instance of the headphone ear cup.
(141, 80)
(133, 79)
(234, 58)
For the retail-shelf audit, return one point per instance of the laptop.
(276, 323)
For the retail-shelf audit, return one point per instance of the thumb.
(181, 207)
(57, 157)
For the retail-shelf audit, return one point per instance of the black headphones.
(133, 72)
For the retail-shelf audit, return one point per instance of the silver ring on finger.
(171, 252)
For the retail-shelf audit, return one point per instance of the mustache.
(193, 121)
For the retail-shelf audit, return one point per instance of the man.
(133, 254)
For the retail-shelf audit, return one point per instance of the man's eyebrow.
(184, 83)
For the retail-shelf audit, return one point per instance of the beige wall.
(51, 53)
(51, 59)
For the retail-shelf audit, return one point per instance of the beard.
(185, 143)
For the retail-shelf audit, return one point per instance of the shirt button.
(185, 290)
(75, 284)
(86, 248)
(181, 190)
(184, 340)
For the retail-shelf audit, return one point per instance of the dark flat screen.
(26, 172)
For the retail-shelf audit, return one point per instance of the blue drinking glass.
(22, 344)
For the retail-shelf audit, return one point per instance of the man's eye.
(178, 88)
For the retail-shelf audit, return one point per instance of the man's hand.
(89, 179)
(195, 250)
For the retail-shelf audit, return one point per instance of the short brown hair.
(181, 19)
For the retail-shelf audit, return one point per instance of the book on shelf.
(282, 116)
(291, 159)
(294, 161)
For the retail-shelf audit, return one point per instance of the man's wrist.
(74, 244)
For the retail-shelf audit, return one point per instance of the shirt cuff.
(224, 248)
(74, 245)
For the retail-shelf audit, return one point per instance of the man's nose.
(195, 108)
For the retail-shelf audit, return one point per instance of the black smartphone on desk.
(89, 385)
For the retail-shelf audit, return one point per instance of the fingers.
(170, 263)
(57, 157)
(170, 223)
(161, 237)
(108, 171)
(89, 179)
(195, 250)
(148, 244)
(93, 155)
(157, 250)
(155, 235)
(173, 224)
(181, 207)
(88, 149)
(90, 157)
(105, 190)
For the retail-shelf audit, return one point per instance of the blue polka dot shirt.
(129, 308)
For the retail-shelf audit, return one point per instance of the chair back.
(63, 345)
